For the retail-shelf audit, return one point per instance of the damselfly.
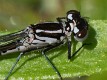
(46, 36)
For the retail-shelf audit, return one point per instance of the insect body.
(46, 36)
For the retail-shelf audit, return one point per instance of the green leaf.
(91, 59)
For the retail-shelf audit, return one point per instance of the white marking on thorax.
(57, 31)
(70, 16)
(47, 39)
(76, 30)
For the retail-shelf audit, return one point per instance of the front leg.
(69, 49)
(77, 50)
(61, 19)
(49, 61)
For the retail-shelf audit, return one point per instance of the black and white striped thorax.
(48, 32)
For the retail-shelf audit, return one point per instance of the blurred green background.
(17, 14)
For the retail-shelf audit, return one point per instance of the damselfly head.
(72, 19)
(77, 24)
(81, 30)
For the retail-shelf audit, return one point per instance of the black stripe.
(47, 26)
(50, 35)
(39, 39)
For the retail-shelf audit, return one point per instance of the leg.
(18, 58)
(69, 49)
(53, 66)
(78, 50)
(61, 19)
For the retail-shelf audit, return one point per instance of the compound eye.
(81, 35)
